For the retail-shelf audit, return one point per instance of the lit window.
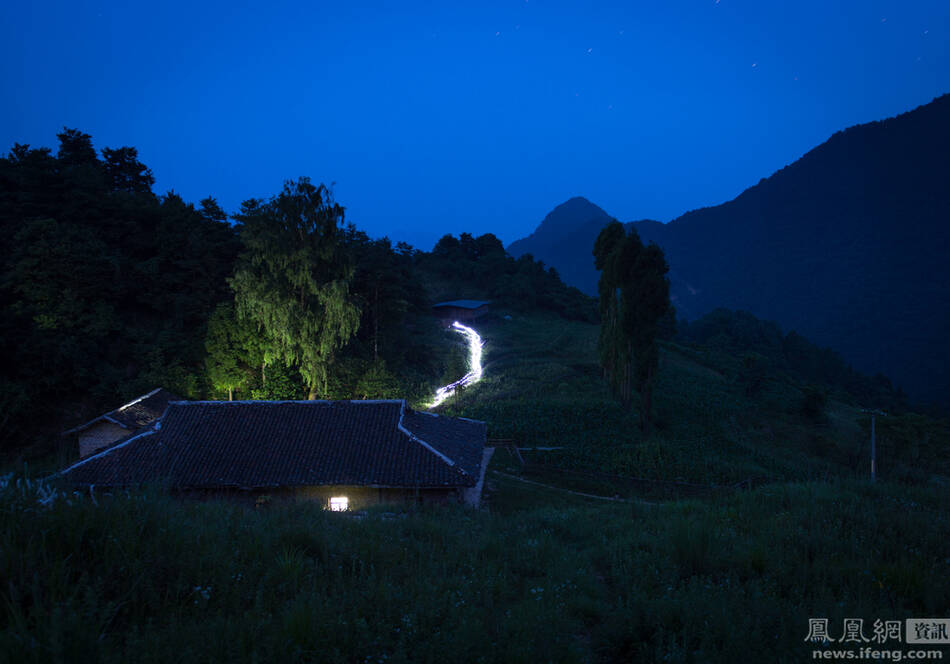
(339, 504)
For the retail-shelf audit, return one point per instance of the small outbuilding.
(460, 310)
(135, 416)
(344, 454)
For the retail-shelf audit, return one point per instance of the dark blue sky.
(437, 118)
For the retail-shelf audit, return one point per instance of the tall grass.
(146, 578)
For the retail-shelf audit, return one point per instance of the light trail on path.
(474, 374)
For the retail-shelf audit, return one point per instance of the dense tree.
(105, 288)
(634, 299)
(293, 280)
(378, 383)
(480, 268)
(75, 149)
(614, 352)
(387, 289)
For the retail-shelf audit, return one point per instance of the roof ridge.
(106, 451)
(107, 416)
(135, 401)
(417, 439)
(215, 402)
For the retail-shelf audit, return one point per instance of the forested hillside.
(105, 287)
(108, 290)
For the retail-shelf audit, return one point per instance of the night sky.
(436, 118)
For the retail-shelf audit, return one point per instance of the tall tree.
(614, 353)
(292, 279)
(634, 298)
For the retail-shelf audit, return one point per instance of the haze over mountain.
(848, 246)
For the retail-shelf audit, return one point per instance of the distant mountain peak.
(574, 223)
(578, 202)
(571, 214)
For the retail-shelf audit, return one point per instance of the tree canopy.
(480, 268)
(105, 288)
(293, 279)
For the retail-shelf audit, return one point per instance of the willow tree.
(292, 279)
(634, 297)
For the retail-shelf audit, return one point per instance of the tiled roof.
(140, 412)
(259, 444)
(462, 304)
(451, 436)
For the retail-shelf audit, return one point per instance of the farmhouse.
(460, 310)
(345, 454)
(131, 418)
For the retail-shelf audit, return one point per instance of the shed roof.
(265, 444)
(136, 414)
(462, 304)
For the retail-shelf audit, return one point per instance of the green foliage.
(378, 383)
(292, 279)
(232, 351)
(282, 383)
(57, 278)
(108, 291)
(103, 285)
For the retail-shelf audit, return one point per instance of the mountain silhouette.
(849, 246)
(564, 240)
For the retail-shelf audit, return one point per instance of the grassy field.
(543, 574)
(542, 387)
